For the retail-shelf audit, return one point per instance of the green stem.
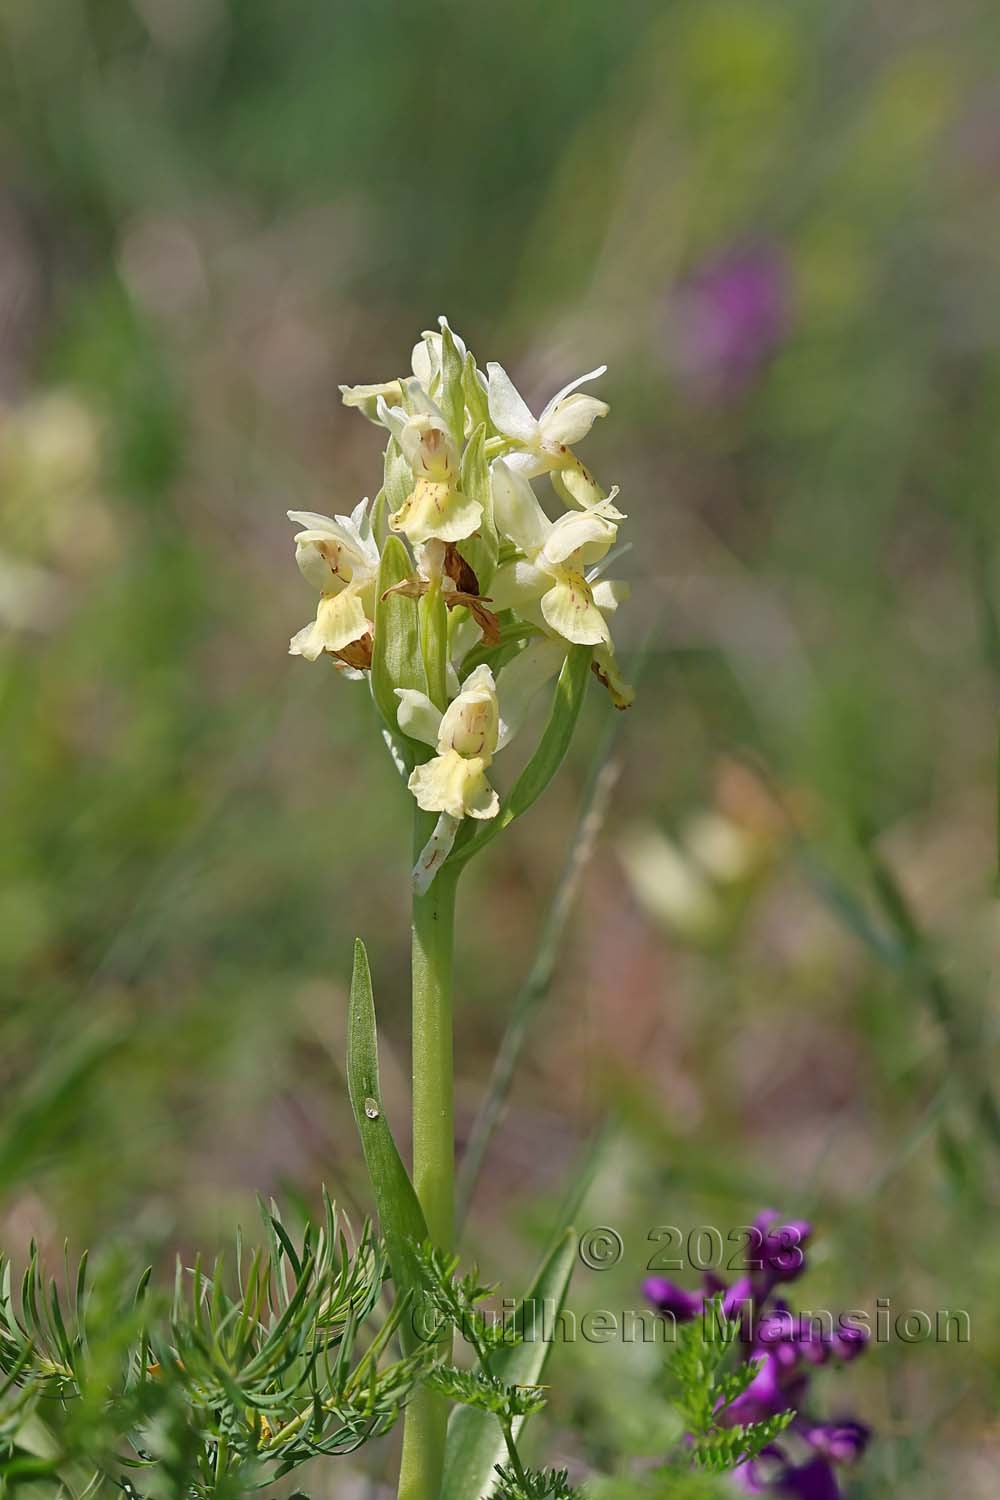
(433, 1141)
(221, 1460)
(433, 1124)
(513, 1455)
(433, 617)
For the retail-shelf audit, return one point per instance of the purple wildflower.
(810, 1481)
(843, 1442)
(849, 1341)
(787, 1349)
(780, 1249)
(770, 1475)
(731, 316)
(667, 1297)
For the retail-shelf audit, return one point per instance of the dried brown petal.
(460, 571)
(358, 654)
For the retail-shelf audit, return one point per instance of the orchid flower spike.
(544, 444)
(481, 594)
(339, 557)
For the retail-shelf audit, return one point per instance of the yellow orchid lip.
(455, 784)
(342, 619)
(436, 510)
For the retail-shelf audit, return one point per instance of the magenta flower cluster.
(787, 1350)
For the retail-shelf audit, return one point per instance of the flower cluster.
(505, 593)
(786, 1350)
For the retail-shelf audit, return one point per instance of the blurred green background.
(777, 222)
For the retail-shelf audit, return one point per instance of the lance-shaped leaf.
(400, 1214)
(475, 1440)
(570, 690)
(396, 657)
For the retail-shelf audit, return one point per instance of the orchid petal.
(436, 509)
(526, 463)
(567, 390)
(522, 679)
(360, 519)
(572, 419)
(454, 784)
(575, 531)
(434, 853)
(365, 398)
(471, 723)
(516, 585)
(606, 670)
(570, 611)
(576, 486)
(508, 410)
(516, 510)
(316, 566)
(417, 716)
(609, 593)
(340, 619)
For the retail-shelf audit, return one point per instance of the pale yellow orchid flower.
(552, 584)
(465, 737)
(435, 509)
(544, 444)
(551, 579)
(339, 557)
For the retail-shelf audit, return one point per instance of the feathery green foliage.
(236, 1381)
(535, 1484)
(704, 1390)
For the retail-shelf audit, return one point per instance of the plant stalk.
(433, 1141)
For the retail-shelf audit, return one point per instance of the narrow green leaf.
(399, 1212)
(475, 1441)
(570, 690)
(396, 660)
(480, 550)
